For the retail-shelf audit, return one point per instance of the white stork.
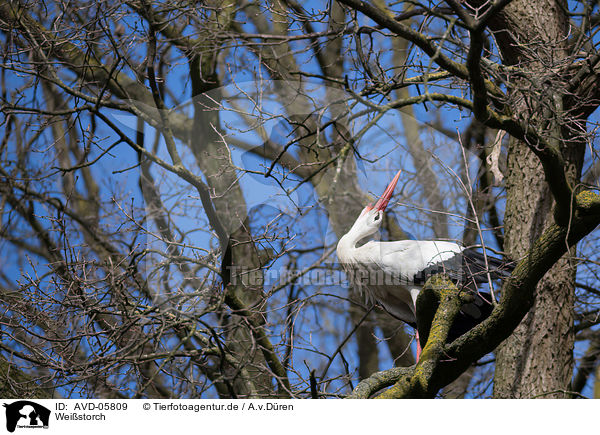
(393, 273)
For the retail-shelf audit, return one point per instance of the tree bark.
(537, 359)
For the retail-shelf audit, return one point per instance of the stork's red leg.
(418, 346)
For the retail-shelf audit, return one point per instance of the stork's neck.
(346, 248)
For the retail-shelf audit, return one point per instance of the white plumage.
(393, 273)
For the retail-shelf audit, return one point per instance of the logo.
(26, 414)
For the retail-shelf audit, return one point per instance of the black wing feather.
(476, 267)
(467, 268)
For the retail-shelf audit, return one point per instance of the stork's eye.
(377, 217)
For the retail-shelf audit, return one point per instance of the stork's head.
(371, 216)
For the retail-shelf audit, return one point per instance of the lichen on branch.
(440, 301)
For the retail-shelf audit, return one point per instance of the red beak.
(383, 202)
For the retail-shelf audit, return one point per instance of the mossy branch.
(440, 300)
(377, 381)
(437, 306)
(519, 290)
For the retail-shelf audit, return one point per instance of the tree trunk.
(537, 359)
